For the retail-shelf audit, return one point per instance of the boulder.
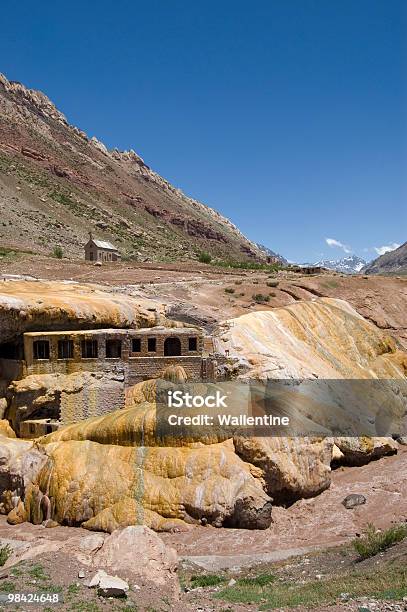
(358, 451)
(291, 467)
(95, 580)
(17, 515)
(112, 586)
(353, 500)
(140, 552)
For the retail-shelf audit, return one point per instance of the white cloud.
(386, 248)
(335, 243)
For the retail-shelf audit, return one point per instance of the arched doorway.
(172, 347)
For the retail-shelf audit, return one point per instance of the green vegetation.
(61, 198)
(229, 290)
(37, 572)
(205, 580)
(247, 265)
(57, 252)
(384, 582)
(272, 283)
(85, 606)
(259, 298)
(64, 199)
(5, 552)
(204, 257)
(7, 253)
(7, 586)
(373, 541)
(260, 580)
(51, 588)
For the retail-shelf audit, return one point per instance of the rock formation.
(318, 339)
(135, 476)
(39, 305)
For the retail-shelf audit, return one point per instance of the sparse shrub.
(272, 283)
(57, 252)
(272, 294)
(374, 541)
(229, 290)
(5, 552)
(259, 298)
(73, 589)
(248, 265)
(238, 282)
(206, 580)
(260, 580)
(205, 257)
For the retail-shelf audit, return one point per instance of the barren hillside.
(56, 185)
(394, 262)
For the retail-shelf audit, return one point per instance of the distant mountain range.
(393, 262)
(347, 265)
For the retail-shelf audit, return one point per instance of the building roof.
(103, 244)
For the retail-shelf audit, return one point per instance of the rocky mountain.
(347, 265)
(269, 253)
(393, 262)
(57, 184)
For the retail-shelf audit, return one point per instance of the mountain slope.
(56, 185)
(393, 262)
(269, 253)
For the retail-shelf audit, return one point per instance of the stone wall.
(143, 368)
(99, 397)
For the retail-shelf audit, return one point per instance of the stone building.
(100, 250)
(104, 362)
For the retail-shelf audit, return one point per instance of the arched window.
(172, 347)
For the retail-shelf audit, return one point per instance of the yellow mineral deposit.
(324, 338)
(27, 305)
(113, 470)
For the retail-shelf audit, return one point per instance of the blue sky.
(288, 116)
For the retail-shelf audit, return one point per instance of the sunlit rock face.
(103, 487)
(39, 305)
(323, 338)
